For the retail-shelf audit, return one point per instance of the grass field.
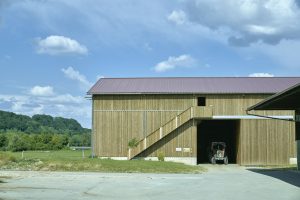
(69, 160)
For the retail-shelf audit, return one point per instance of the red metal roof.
(193, 85)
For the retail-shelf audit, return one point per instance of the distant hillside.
(39, 124)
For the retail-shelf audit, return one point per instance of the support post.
(297, 136)
(298, 154)
(176, 121)
(160, 133)
(129, 153)
(93, 131)
(145, 143)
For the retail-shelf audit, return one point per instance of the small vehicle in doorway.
(217, 152)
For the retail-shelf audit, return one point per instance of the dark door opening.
(201, 101)
(209, 131)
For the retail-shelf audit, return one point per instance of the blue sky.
(53, 51)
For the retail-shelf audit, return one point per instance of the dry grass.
(68, 160)
(6, 158)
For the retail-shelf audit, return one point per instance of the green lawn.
(69, 160)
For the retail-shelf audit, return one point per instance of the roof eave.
(138, 93)
(261, 105)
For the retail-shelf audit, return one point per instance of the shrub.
(75, 140)
(13, 140)
(20, 142)
(133, 143)
(3, 141)
(6, 158)
(161, 156)
(58, 142)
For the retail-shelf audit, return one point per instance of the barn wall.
(267, 142)
(119, 118)
(183, 137)
(237, 104)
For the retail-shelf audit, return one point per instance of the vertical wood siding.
(183, 137)
(119, 118)
(267, 142)
(238, 104)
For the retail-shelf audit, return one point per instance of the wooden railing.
(170, 126)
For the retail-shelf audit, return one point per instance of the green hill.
(39, 124)
(40, 132)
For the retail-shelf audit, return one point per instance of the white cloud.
(255, 29)
(66, 98)
(174, 62)
(64, 105)
(56, 45)
(283, 54)
(178, 17)
(267, 21)
(261, 75)
(245, 21)
(42, 91)
(21, 104)
(99, 77)
(102, 23)
(75, 75)
(12, 97)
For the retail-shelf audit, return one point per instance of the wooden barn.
(179, 118)
(288, 99)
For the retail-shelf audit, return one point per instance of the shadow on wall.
(288, 176)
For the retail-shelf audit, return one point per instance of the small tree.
(3, 141)
(161, 156)
(20, 142)
(133, 143)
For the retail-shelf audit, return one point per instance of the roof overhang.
(180, 93)
(288, 99)
(192, 85)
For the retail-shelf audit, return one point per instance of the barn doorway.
(217, 131)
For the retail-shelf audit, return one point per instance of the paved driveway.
(220, 182)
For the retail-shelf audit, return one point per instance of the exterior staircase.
(195, 112)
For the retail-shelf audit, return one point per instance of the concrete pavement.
(220, 182)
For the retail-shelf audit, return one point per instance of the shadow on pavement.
(288, 176)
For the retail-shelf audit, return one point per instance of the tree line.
(40, 132)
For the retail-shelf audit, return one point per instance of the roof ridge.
(196, 77)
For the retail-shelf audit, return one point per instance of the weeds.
(161, 156)
(66, 160)
(6, 158)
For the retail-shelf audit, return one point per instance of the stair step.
(169, 127)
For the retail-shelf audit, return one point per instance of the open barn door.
(209, 131)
